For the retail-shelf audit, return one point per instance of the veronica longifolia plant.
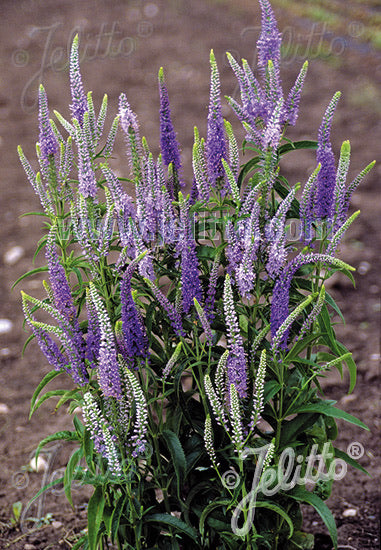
(195, 334)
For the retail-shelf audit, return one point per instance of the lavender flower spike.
(338, 212)
(108, 368)
(168, 141)
(60, 286)
(190, 282)
(140, 430)
(270, 38)
(93, 331)
(327, 175)
(79, 102)
(281, 292)
(47, 139)
(204, 322)
(307, 206)
(268, 45)
(100, 433)
(135, 338)
(87, 182)
(291, 107)
(168, 307)
(130, 126)
(236, 366)
(215, 144)
(47, 345)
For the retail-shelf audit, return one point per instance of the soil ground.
(124, 44)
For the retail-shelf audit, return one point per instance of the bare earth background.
(123, 44)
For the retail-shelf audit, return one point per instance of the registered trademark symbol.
(355, 450)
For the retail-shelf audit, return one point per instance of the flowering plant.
(194, 330)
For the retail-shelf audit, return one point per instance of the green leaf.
(299, 346)
(16, 509)
(211, 506)
(40, 246)
(68, 477)
(31, 272)
(333, 304)
(116, 515)
(43, 489)
(270, 389)
(88, 448)
(47, 395)
(323, 407)
(107, 516)
(291, 428)
(302, 541)
(175, 523)
(301, 495)
(47, 378)
(279, 510)
(248, 167)
(296, 145)
(326, 327)
(177, 454)
(94, 516)
(64, 435)
(65, 397)
(78, 426)
(79, 543)
(351, 366)
(29, 339)
(343, 455)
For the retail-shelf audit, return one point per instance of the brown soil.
(126, 43)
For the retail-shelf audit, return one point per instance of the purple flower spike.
(135, 338)
(50, 349)
(327, 175)
(291, 108)
(168, 307)
(79, 102)
(245, 273)
(87, 182)
(281, 291)
(60, 286)
(270, 38)
(47, 139)
(64, 303)
(93, 331)
(190, 282)
(108, 368)
(307, 206)
(215, 144)
(168, 141)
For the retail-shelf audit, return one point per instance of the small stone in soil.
(363, 268)
(349, 513)
(57, 524)
(4, 409)
(5, 326)
(28, 546)
(13, 255)
(41, 465)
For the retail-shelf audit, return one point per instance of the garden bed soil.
(126, 43)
